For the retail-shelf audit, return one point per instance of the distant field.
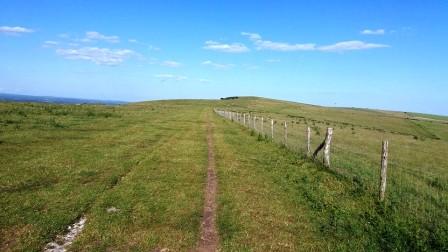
(433, 117)
(148, 162)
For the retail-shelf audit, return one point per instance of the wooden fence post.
(262, 120)
(383, 171)
(286, 134)
(254, 124)
(272, 129)
(327, 147)
(244, 119)
(308, 141)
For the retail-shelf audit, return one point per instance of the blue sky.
(375, 54)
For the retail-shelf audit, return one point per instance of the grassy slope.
(59, 162)
(254, 213)
(415, 213)
(148, 160)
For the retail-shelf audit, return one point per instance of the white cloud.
(350, 46)
(276, 46)
(100, 56)
(171, 63)
(229, 48)
(252, 36)
(216, 65)
(169, 77)
(132, 41)
(284, 47)
(373, 32)
(96, 36)
(14, 30)
(50, 43)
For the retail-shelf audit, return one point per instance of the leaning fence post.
(327, 147)
(383, 171)
(286, 134)
(308, 140)
(272, 129)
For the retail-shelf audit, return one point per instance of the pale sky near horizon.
(371, 54)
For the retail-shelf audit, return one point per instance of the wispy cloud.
(342, 46)
(277, 46)
(64, 35)
(216, 65)
(100, 56)
(50, 43)
(171, 63)
(14, 30)
(350, 46)
(96, 36)
(170, 77)
(373, 32)
(222, 47)
(149, 46)
(153, 48)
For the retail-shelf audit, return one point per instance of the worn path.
(209, 235)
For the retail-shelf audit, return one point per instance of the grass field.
(148, 161)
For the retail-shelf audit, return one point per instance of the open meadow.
(137, 173)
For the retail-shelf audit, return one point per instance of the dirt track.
(209, 235)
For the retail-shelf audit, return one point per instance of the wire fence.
(415, 179)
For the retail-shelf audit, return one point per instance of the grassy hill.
(148, 162)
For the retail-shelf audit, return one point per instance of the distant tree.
(230, 98)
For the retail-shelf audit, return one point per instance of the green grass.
(414, 215)
(145, 159)
(149, 160)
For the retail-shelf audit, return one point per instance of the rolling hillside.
(137, 173)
